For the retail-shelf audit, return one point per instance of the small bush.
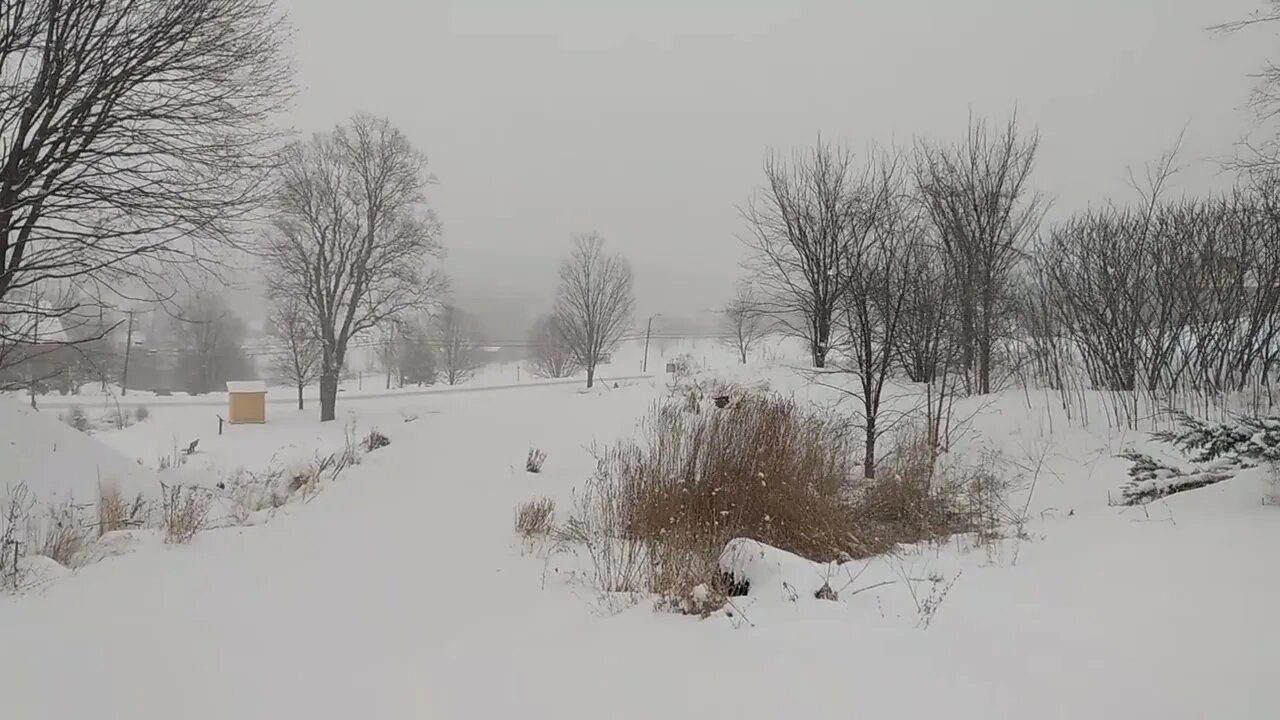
(76, 418)
(186, 512)
(536, 518)
(62, 536)
(114, 513)
(375, 440)
(141, 413)
(534, 460)
(656, 516)
(118, 418)
(914, 499)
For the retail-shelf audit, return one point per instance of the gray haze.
(646, 120)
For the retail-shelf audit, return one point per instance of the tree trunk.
(869, 457)
(591, 375)
(300, 407)
(328, 395)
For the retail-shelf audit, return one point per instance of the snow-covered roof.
(246, 386)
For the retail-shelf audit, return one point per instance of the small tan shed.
(246, 401)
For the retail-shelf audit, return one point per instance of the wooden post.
(648, 331)
(128, 345)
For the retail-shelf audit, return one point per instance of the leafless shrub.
(374, 441)
(536, 518)
(141, 413)
(744, 323)
(252, 492)
(185, 511)
(917, 500)
(533, 462)
(550, 355)
(60, 535)
(928, 601)
(457, 336)
(76, 418)
(115, 513)
(656, 517)
(327, 467)
(15, 517)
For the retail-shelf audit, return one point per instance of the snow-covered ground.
(402, 591)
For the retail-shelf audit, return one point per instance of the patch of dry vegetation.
(536, 518)
(185, 511)
(658, 513)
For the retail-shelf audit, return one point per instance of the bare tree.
(388, 353)
(457, 337)
(210, 340)
(978, 198)
(417, 363)
(744, 322)
(877, 284)
(135, 136)
(298, 358)
(1261, 154)
(550, 355)
(799, 238)
(594, 303)
(353, 238)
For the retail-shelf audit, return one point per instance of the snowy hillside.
(57, 462)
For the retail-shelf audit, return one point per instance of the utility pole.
(647, 332)
(128, 346)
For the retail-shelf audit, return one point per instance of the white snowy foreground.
(402, 591)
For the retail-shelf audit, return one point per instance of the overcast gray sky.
(646, 120)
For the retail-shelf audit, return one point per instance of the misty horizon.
(648, 123)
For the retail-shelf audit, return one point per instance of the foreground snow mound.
(767, 573)
(58, 462)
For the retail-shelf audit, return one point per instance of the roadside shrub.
(141, 413)
(76, 418)
(536, 518)
(533, 462)
(186, 511)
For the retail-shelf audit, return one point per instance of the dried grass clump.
(657, 515)
(375, 440)
(915, 500)
(534, 460)
(185, 510)
(61, 536)
(536, 518)
(115, 513)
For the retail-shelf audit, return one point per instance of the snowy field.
(401, 590)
